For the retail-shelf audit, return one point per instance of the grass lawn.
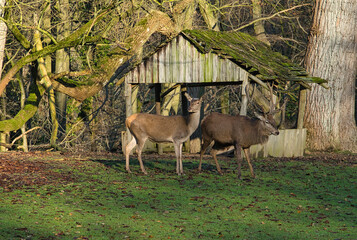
(54, 196)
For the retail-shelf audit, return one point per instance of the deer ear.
(189, 98)
(259, 116)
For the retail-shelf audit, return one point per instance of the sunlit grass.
(288, 200)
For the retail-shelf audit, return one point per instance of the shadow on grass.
(155, 164)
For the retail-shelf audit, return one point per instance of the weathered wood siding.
(289, 143)
(180, 62)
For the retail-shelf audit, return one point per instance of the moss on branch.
(25, 114)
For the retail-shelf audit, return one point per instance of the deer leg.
(214, 155)
(181, 164)
(128, 149)
(239, 159)
(246, 153)
(177, 152)
(138, 151)
(204, 146)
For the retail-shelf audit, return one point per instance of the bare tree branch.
(269, 17)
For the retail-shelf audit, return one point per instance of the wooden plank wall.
(180, 62)
(289, 143)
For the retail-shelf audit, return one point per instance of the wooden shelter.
(206, 57)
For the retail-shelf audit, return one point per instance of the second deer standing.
(176, 129)
(236, 132)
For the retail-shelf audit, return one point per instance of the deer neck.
(193, 119)
(263, 136)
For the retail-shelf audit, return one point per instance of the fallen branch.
(9, 145)
(17, 138)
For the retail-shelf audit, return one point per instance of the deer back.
(156, 127)
(225, 129)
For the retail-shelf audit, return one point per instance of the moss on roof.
(250, 54)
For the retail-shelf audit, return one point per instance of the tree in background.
(332, 55)
(3, 30)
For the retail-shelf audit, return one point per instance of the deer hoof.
(128, 170)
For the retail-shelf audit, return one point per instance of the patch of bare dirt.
(18, 169)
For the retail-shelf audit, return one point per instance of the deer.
(176, 129)
(236, 132)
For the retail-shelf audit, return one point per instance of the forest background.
(60, 85)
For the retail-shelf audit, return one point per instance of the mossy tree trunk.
(46, 82)
(22, 103)
(171, 100)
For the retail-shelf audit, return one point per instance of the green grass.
(97, 199)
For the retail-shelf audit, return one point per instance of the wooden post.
(302, 106)
(244, 105)
(134, 98)
(184, 106)
(157, 98)
(128, 112)
(158, 111)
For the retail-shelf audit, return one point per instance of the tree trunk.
(207, 11)
(171, 100)
(259, 26)
(22, 102)
(3, 31)
(332, 55)
(45, 81)
(62, 65)
(225, 101)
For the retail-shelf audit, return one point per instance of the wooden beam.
(158, 111)
(158, 98)
(128, 112)
(134, 98)
(257, 80)
(244, 105)
(302, 106)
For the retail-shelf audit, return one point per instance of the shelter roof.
(251, 54)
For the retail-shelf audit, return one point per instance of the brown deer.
(235, 132)
(176, 129)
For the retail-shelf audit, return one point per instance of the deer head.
(195, 103)
(268, 123)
